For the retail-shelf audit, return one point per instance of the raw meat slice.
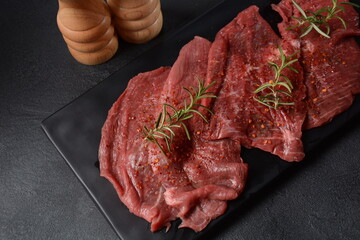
(200, 178)
(122, 159)
(199, 175)
(331, 66)
(239, 57)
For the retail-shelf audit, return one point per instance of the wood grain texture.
(137, 21)
(87, 30)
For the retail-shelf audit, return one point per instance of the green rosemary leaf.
(159, 146)
(287, 81)
(157, 135)
(300, 9)
(207, 109)
(340, 9)
(262, 102)
(262, 87)
(170, 130)
(293, 27)
(352, 4)
(208, 86)
(175, 125)
(169, 116)
(193, 91)
(284, 85)
(293, 69)
(199, 113)
(286, 103)
(269, 100)
(167, 105)
(327, 26)
(272, 64)
(319, 30)
(318, 19)
(306, 30)
(272, 97)
(325, 9)
(186, 130)
(285, 65)
(269, 95)
(284, 92)
(186, 117)
(158, 120)
(206, 96)
(210, 93)
(165, 135)
(181, 111)
(342, 20)
(292, 55)
(163, 117)
(167, 142)
(200, 85)
(145, 129)
(275, 68)
(282, 55)
(190, 95)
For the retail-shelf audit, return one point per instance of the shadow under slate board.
(75, 129)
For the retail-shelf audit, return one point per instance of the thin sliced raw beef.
(199, 175)
(195, 181)
(122, 159)
(239, 57)
(331, 66)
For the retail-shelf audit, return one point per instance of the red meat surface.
(239, 58)
(123, 160)
(331, 66)
(196, 179)
(199, 175)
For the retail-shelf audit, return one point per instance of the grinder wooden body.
(87, 30)
(136, 21)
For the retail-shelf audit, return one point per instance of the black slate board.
(75, 129)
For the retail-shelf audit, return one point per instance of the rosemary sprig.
(318, 18)
(273, 99)
(166, 122)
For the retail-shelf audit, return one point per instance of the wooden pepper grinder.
(137, 21)
(87, 30)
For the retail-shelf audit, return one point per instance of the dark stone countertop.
(40, 198)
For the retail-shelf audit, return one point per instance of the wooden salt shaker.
(137, 21)
(87, 30)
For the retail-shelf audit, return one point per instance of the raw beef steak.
(199, 175)
(331, 66)
(193, 181)
(123, 160)
(239, 57)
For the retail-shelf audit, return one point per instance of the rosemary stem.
(166, 122)
(273, 99)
